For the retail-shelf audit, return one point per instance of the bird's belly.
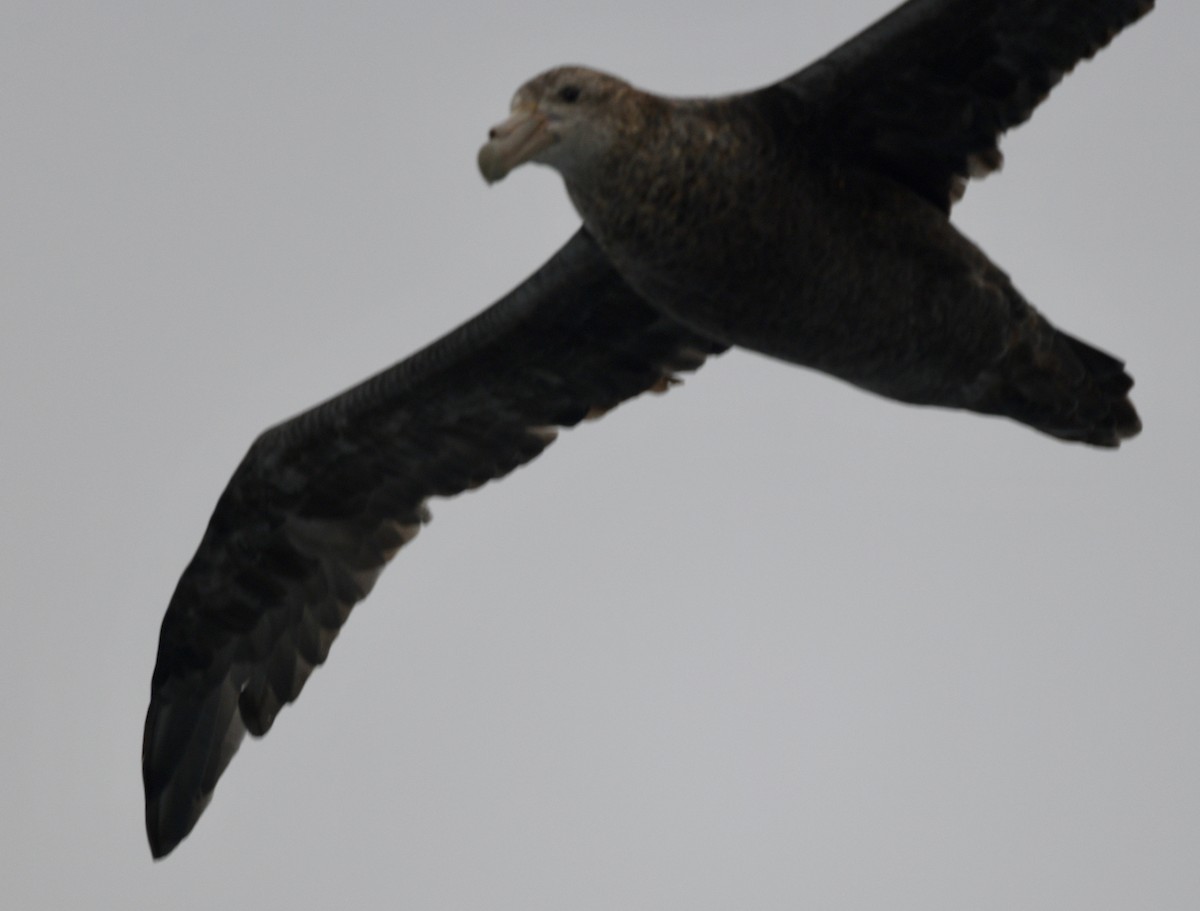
(894, 300)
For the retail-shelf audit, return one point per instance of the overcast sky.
(766, 642)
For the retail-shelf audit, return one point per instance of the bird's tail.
(1064, 387)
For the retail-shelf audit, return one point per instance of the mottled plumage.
(807, 220)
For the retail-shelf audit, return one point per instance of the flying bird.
(807, 220)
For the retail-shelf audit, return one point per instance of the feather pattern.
(925, 93)
(321, 502)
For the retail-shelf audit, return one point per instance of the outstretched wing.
(321, 502)
(925, 93)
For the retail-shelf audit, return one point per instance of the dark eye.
(569, 94)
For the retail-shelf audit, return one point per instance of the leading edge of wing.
(321, 502)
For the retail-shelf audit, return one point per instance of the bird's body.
(766, 242)
(808, 220)
(777, 265)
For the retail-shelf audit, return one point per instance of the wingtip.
(185, 748)
(167, 825)
(170, 820)
(159, 847)
(162, 839)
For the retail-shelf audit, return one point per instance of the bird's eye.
(569, 94)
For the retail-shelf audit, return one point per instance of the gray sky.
(767, 642)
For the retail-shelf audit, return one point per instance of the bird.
(808, 220)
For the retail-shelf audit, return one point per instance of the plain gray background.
(766, 642)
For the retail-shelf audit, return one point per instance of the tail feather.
(1064, 387)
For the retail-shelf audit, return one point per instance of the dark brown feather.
(322, 502)
(925, 93)
(795, 221)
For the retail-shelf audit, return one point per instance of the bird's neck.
(662, 191)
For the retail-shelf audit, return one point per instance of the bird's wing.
(925, 93)
(322, 502)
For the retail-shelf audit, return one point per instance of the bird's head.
(567, 118)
